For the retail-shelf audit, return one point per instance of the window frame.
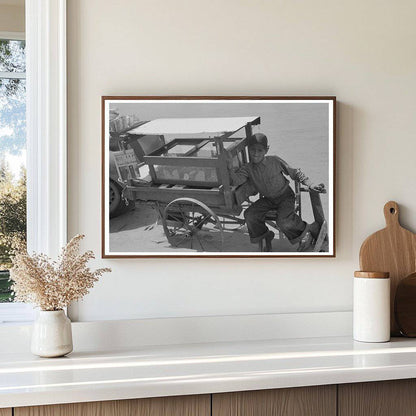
(46, 126)
(12, 35)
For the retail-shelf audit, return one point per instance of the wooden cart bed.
(165, 193)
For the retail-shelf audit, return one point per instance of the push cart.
(189, 183)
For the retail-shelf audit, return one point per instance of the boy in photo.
(266, 176)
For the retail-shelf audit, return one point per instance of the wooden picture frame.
(169, 169)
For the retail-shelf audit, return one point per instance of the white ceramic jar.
(52, 334)
(371, 307)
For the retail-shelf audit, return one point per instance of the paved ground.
(140, 230)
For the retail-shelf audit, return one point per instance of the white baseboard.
(111, 335)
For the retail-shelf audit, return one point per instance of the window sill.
(16, 313)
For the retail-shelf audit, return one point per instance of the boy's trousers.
(287, 220)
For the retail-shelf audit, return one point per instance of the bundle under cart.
(189, 181)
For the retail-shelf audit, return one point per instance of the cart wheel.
(118, 204)
(189, 223)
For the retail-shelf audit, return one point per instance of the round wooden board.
(405, 306)
(393, 250)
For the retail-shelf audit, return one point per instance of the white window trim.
(46, 134)
(12, 75)
(46, 125)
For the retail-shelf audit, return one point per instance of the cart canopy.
(211, 126)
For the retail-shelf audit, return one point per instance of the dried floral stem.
(53, 285)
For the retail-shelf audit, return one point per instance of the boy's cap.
(258, 138)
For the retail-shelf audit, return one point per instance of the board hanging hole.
(392, 211)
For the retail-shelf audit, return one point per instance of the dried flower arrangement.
(52, 285)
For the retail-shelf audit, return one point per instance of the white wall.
(361, 51)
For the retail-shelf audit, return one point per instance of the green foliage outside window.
(12, 223)
(12, 144)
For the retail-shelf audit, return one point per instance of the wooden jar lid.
(372, 275)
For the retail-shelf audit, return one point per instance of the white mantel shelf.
(201, 368)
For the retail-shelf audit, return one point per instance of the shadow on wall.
(344, 185)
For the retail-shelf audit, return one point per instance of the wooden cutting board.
(393, 250)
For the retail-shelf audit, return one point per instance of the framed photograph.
(218, 177)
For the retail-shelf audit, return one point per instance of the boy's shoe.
(268, 241)
(265, 241)
(307, 242)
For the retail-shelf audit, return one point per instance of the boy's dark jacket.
(267, 177)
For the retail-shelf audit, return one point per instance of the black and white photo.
(218, 176)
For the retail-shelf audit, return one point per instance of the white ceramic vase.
(52, 334)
